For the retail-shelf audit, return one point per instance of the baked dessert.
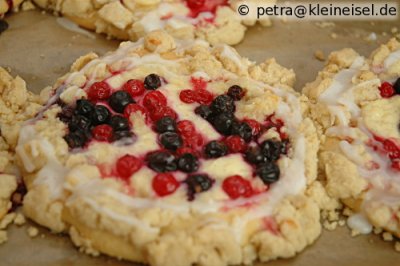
(8, 5)
(17, 104)
(214, 21)
(175, 152)
(356, 105)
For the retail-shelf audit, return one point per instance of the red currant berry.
(164, 184)
(236, 187)
(133, 108)
(235, 144)
(102, 133)
(392, 149)
(193, 141)
(386, 90)
(153, 100)
(195, 3)
(396, 165)
(185, 128)
(99, 91)
(162, 111)
(198, 96)
(134, 87)
(187, 96)
(128, 165)
(203, 97)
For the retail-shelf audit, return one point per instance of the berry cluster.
(88, 121)
(164, 183)
(105, 115)
(388, 90)
(220, 113)
(180, 142)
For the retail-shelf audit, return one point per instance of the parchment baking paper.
(38, 49)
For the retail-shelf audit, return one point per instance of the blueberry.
(119, 100)
(396, 86)
(84, 107)
(152, 82)
(79, 122)
(204, 111)
(243, 130)
(223, 104)
(188, 163)
(271, 149)
(161, 161)
(254, 155)
(76, 139)
(198, 183)
(171, 140)
(100, 115)
(223, 123)
(236, 92)
(215, 149)
(166, 124)
(66, 114)
(119, 123)
(123, 134)
(3, 25)
(268, 172)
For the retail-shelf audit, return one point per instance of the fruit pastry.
(173, 152)
(16, 106)
(8, 5)
(216, 21)
(356, 105)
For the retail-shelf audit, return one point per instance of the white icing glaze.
(26, 161)
(72, 94)
(340, 92)
(341, 82)
(392, 59)
(94, 188)
(339, 131)
(351, 152)
(358, 222)
(231, 54)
